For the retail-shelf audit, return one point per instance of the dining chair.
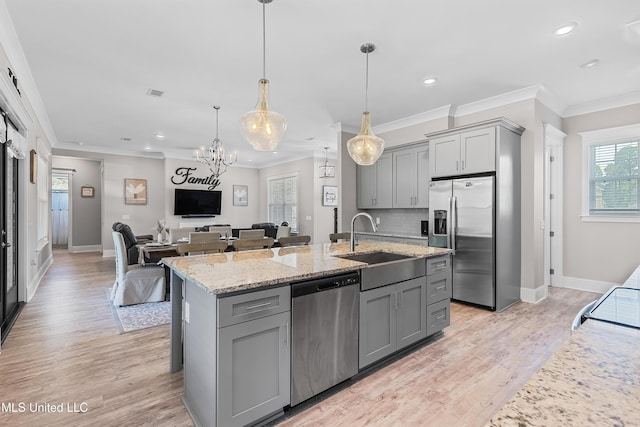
(294, 240)
(283, 231)
(334, 237)
(251, 234)
(136, 283)
(224, 230)
(204, 237)
(249, 244)
(201, 248)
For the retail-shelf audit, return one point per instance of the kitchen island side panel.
(200, 354)
(508, 219)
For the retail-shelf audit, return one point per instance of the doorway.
(9, 304)
(60, 184)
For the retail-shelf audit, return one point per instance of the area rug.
(140, 316)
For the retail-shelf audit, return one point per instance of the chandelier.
(365, 148)
(213, 157)
(263, 128)
(327, 171)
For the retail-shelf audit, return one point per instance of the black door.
(9, 305)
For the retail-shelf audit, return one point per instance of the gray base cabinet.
(391, 318)
(253, 370)
(439, 291)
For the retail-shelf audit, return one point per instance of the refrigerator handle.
(454, 222)
(449, 225)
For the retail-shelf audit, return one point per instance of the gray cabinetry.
(411, 177)
(439, 293)
(374, 184)
(468, 152)
(391, 317)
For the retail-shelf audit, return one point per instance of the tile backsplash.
(401, 221)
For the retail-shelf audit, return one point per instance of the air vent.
(154, 92)
(124, 138)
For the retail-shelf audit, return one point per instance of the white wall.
(595, 251)
(323, 215)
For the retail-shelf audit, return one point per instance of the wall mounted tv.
(197, 203)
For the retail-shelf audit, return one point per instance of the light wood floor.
(65, 347)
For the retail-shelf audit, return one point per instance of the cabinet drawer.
(253, 305)
(439, 286)
(438, 264)
(438, 316)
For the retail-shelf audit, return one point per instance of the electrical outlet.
(308, 217)
(125, 216)
(186, 312)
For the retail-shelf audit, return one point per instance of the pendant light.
(366, 148)
(263, 128)
(213, 157)
(327, 171)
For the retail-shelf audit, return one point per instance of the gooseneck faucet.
(352, 245)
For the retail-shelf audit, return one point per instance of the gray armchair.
(131, 240)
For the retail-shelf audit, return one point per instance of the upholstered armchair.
(270, 229)
(130, 241)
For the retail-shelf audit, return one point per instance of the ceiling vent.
(124, 138)
(154, 92)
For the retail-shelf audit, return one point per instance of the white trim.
(109, 253)
(32, 287)
(602, 104)
(533, 296)
(553, 213)
(12, 104)
(87, 248)
(437, 113)
(599, 136)
(587, 285)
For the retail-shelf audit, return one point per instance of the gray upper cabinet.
(411, 177)
(374, 184)
(467, 152)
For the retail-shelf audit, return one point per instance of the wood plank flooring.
(65, 348)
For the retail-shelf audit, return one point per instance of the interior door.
(8, 241)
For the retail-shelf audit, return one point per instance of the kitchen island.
(237, 321)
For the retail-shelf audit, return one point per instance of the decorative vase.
(160, 237)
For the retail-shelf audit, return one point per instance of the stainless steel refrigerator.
(464, 217)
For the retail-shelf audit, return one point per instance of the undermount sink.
(375, 257)
(386, 268)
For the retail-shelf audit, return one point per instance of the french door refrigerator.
(464, 216)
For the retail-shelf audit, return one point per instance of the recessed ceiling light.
(275, 152)
(250, 160)
(590, 64)
(147, 147)
(565, 29)
(158, 136)
(430, 80)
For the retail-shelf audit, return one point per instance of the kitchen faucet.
(352, 243)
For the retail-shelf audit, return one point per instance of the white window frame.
(294, 174)
(603, 136)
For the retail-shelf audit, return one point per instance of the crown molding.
(602, 104)
(437, 113)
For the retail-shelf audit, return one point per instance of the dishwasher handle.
(312, 286)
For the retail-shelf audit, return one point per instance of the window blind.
(614, 178)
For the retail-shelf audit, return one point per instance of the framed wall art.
(86, 191)
(329, 195)
(135, 191)
(240, 195)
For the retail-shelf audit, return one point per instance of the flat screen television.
(197, 202)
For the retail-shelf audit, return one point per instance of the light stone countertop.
(592, 380)
(245, 270)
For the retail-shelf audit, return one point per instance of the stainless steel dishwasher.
(324, 334)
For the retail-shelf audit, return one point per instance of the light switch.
(308, 217)
(377, 221)
(125, 216)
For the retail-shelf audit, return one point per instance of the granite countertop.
(593, 379)
(392, 234)
(244, 270)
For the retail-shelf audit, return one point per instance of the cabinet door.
(404, 178)
(384, 182)
(253, 370)
(444, 156)
(478, 151)
(412, 311)
(422, 175)
(366, 186)
(377, 324)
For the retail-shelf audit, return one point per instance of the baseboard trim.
(586, 284)
(33, 286)
(87, 248)
(533, 296)
(109, 253)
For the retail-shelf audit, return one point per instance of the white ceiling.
(94, 61)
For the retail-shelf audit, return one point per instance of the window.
(283, 199)
(611, 174)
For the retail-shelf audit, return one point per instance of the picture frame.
(329, 195)
(135, 191)
(87, 191)
(240, 195)
(33, 165)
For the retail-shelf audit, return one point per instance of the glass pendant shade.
(263, 129)
(365, 148)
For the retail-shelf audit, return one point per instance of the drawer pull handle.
(257, 306)
(439, 288)
(440, 265)
(439, 318)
